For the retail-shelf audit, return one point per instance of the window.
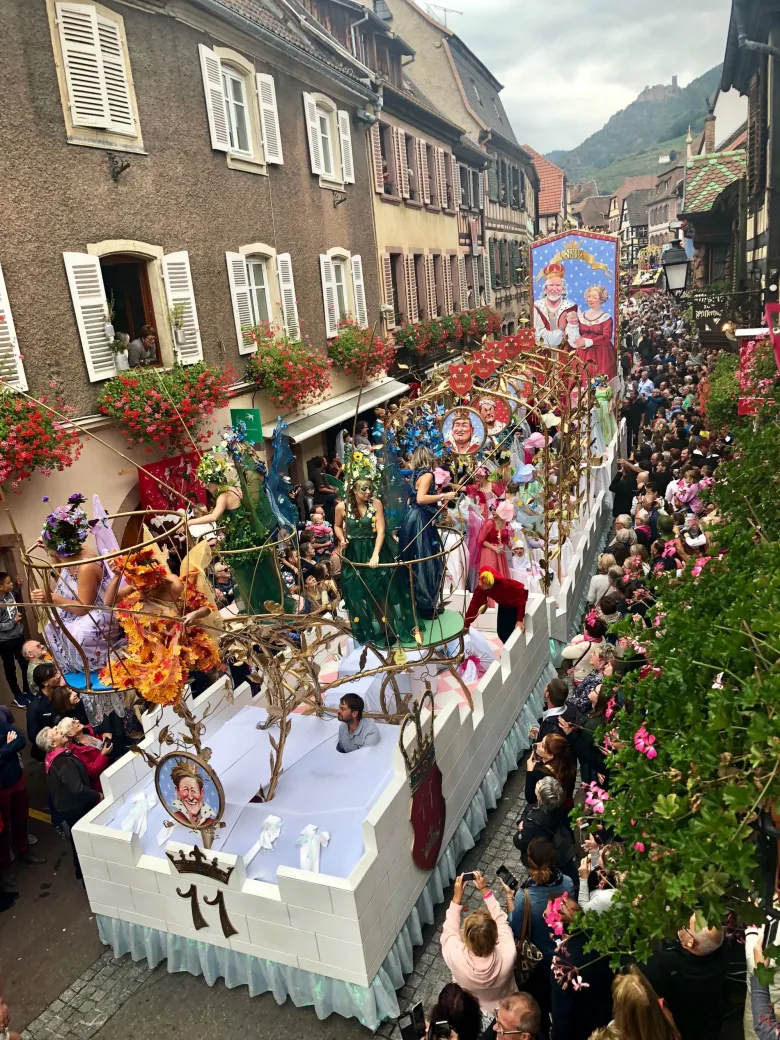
(330, 141)
(262, 289)
(433, 175)
(476, 91)
(95, 78)
(236, 111)
(259, 298)
(241, 109)
(421, 285)
(391, 268)
(465, 187)
(440, 295)
(497, 110)
(477, 190)
(343, 289)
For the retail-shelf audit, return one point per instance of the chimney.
(674, 83)
(709, 133)
(689, 145)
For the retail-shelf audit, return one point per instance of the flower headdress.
(66, 529)
(214, 468)
(143, 569)
(593, 616)
(359, 465)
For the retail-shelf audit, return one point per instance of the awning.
(340, 411)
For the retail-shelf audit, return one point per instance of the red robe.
(601, 357)
(506, 593)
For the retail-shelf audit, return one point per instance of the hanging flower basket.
(165, 409)
(31, 439)
(426, 336)
(361, 353)
(291, 373)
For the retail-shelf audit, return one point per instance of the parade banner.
(178, 473)
(574, 285)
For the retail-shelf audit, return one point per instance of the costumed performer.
(82, 589)
(511, 597)
(168, 621)
(606, 413)
(418, 535)
(496, 539)
(596, 329)
(474, 512)
(555, 316)
(377, 598)
(241, 504)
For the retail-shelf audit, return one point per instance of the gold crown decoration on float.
(419, 760)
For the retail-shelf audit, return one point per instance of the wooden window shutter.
(78, 30)
(447, 282)
(403, 164)
(386, 266)
(89, 303)
(178, 289)
(492, 175)
(476, 274)
(422, 163)
(359, 291)
(430, 287)
(115, 74)
(441, 178)
(329, 296)
(11, 367)
(463, 286)
(313, 130)
(284, 273)
(211, 69)
(269, 119)
(481, 189)
(457, 199)
(345, 140)
(412, 309)
(376, 159)
(486, 267)
(238, 280)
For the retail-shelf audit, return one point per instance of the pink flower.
(639, 846)
(718, 683)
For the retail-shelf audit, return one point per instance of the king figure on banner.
(575, 280)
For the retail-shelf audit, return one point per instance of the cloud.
(568, 66)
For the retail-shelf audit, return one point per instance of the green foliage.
(712, 702)
(722, 392)
(641, 131)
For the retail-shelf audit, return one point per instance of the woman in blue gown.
(418, 535)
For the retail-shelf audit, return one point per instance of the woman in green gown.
(247, 521)
(606, 412)
(378, 598)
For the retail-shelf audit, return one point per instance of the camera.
(508, 878)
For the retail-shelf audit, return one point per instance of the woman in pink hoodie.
(481, 955)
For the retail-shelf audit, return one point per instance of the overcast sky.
(568, 65)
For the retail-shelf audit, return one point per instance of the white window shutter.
(399, 164)
(178, 290)
(403, 163)
(447, 280)
(345, 137)
(488, 283)
(463, 288)
(11, 367)
(475, 274)
(376, 159)
(313, 129)
(211, 68)
(89, 302)
(359, 291)
(412, 309)
(269, 119)
(115, 73)
(425, 185)
(238, 280)
(386, 265)
(481, 189)
(456, 193)
(284, 273)
(80, 42)
(329, 296)
(441, 174)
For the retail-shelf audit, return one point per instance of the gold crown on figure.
(196, 863)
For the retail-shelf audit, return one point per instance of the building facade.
(633, 228)
(664, 205)
(465, 92)
(209, 160)
(553, 194)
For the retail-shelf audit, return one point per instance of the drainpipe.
(354, 26)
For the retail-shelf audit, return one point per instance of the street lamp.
(675, 265)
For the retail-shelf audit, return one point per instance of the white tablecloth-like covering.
(319, 785)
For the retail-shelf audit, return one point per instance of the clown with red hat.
(555, 316)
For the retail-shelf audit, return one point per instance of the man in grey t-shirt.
(143, 351)
(355, 732)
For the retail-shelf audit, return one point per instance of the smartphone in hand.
(412, 1024)
(509, 879)
(469, 876)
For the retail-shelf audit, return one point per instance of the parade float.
(234, 841)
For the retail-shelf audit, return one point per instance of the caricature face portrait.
(553, 289)
(463, 431)
(487, 409)
(189, 790)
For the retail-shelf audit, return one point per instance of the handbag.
(528, 955)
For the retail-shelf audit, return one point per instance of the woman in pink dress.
(597, 328)
(496, 540)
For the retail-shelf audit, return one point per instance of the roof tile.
(551, 183)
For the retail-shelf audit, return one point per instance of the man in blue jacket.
(14, 805)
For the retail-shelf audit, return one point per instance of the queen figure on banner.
(555, 316)
(596, 329)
